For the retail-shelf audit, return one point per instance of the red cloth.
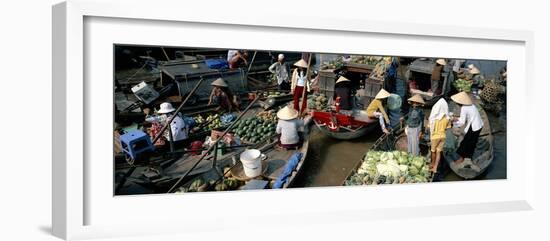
(297, 95)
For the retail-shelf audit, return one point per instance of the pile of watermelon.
(255, 129)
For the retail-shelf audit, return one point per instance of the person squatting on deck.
(178, 127)
(236, 58)
(288, 128)
(439, 122)
(280, 70)
(375, 110)
(222, 96)
(470, 117)
(300, 81)
(414, 124)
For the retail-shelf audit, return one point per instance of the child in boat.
(415, 124)
(439, 122)
(375, 110)
(288, 128)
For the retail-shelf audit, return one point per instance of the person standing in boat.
(471, 119)
(376, 110)
(300, 85)
(414, 124)
(280, 70)
(436, 77)
(288, 128)
(222, 96)
(439, 122)
(178, 127)
(342, 90)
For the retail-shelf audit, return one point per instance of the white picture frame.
(74, 195)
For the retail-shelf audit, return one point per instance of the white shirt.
(178, 126)
(301, 78)
(469, 115)
(289, 130)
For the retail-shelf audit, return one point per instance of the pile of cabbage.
(393, 167)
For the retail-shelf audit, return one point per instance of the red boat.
(343, 125)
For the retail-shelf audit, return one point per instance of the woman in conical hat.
(222, 96)
(298, 82)
(439, 122)
(436, 76)
(376, 110)
(342, 92)
(471, 119)
(288, 127)
(414, 124)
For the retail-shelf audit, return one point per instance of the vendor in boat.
(281, 71)
(474, 76)
(436, 77)
(236, 58)
(342, 92)
(300, 85)
(376, 110)
(178, 127)
(439, 122)
(471, 119)
(288, 128)
(414, 124)
(222, 96)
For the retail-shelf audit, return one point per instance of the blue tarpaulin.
(289, 168)
(217, 63)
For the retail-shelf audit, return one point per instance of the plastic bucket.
(252, 162)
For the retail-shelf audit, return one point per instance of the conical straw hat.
(382, 94)
(441, 61)
(219, 82)
(287, 113)
(342, 79)
(417, 98)
(301, 63)
(474, 70)
(462, 98)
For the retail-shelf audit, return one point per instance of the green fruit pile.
(257, 129)
(317, 101)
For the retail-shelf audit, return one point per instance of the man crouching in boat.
(375, 110)
(288, 128)
(469, 116)
(178, 127)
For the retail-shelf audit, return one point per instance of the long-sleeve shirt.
(344, 93)
(299, 79)
(280, 71)
(469, 116)
(374, 106)
(289, 131)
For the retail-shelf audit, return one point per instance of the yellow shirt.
(439, 128)
(376, 105)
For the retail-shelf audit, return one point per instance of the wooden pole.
(305, 84)
(178, 182)
(165, 54)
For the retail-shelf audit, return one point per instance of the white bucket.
(252, 162)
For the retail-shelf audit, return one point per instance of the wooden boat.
(483, 155)
(211, 168)
(341, 125)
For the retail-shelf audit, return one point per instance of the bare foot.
(386, 131)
